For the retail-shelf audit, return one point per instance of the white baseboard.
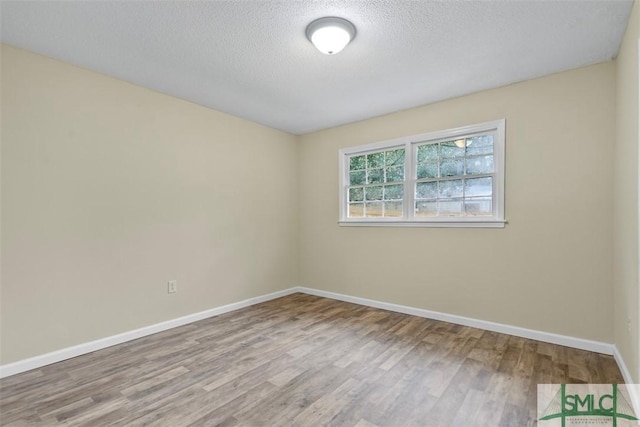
(78, 350)
(69, 352)
(583, 344)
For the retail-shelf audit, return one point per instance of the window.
(452, 178)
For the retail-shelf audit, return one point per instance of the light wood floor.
(302, 360)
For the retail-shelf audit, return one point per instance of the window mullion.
(439, 179)
(464, 179)
(409, 192)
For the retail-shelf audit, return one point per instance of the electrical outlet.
(172, 286)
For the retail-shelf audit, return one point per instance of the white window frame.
(410, 144)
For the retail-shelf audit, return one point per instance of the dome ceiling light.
(330, 34)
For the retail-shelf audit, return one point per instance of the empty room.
(319, 213)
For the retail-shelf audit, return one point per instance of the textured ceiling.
(251, 58)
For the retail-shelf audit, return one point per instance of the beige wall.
(550, 269)
(110, 190)
(626, 198)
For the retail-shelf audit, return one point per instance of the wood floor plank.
(303, 360)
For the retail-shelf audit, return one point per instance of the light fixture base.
(330, 44)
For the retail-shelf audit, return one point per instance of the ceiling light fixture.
(461, 143)
(331, 34)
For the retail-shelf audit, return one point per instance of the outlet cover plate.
(172, 286)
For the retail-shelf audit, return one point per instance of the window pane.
(478, 206)
(450, 207)
(426, 208)
(426, 190)
(393, 209)
(453, 167)
(375, 160)
(479, 145)
(478, 165)
(395, 157)
(451, 188)
(395, 174)
(451, 149)
(356, 194)
(375, 176)
(427, 170)
(357, 163)
(357, 178)
(393, 192)
(356, 210)
(427, 153)
(373, 193)
(478, 187)
(373, 209)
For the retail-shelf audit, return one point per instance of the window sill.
(490, 223)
